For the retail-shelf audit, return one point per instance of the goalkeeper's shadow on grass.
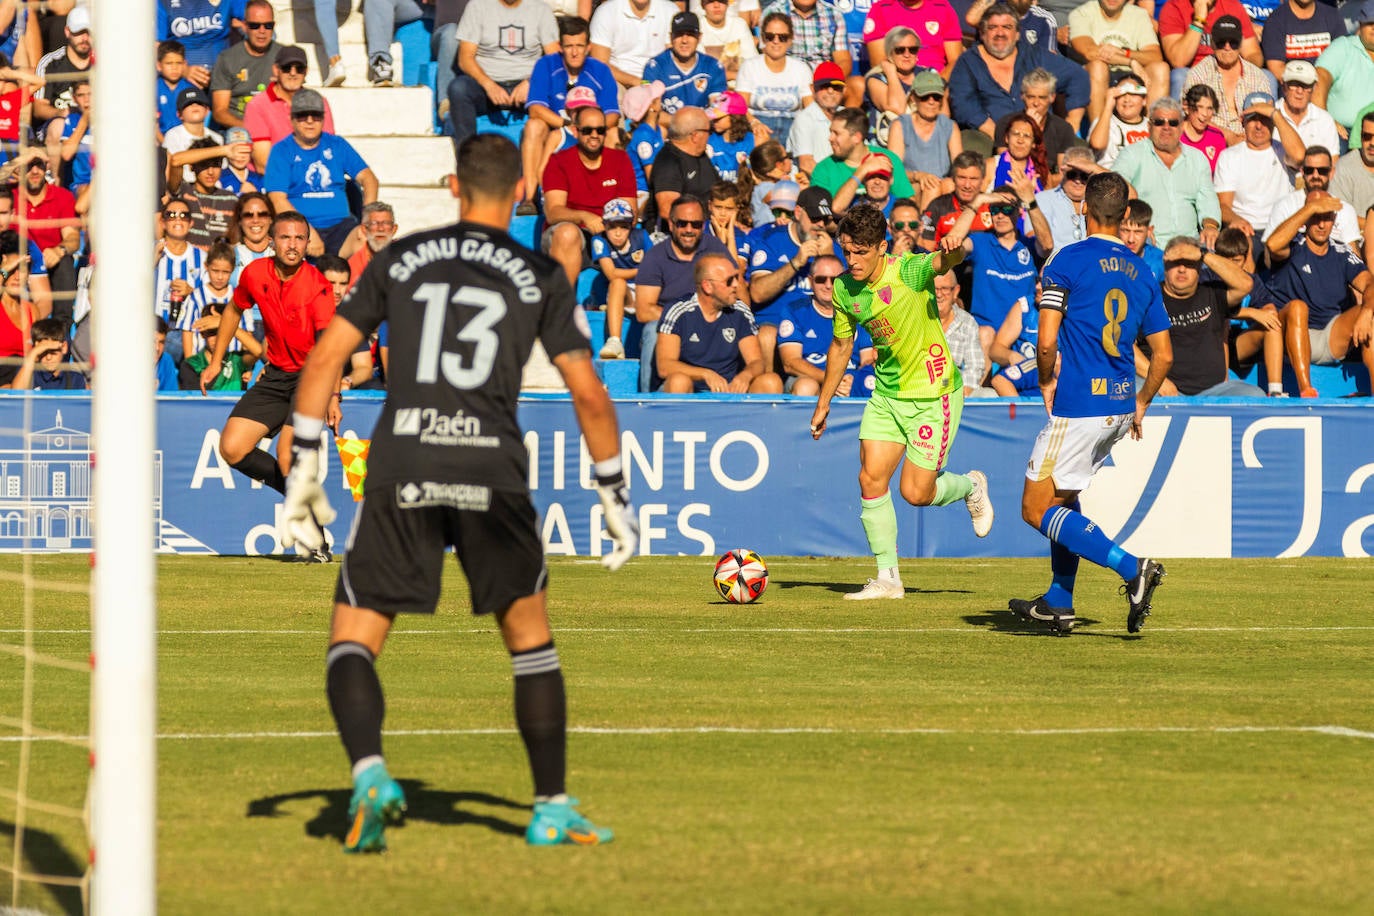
(1005, 621)
(435, 806)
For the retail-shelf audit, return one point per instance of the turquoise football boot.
(558, 822)
(377, 801)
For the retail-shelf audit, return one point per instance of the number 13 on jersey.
(479, 331)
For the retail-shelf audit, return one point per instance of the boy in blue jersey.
(1098, 298)
(690, 79)
(171, 80)
(617, 252)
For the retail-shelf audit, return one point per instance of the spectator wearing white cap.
(63, 69)
(568, 73)
(1253, 176)
(1345, 71)
(627, 33)
(1314, 125)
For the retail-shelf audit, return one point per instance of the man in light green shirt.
(847, 132)
(1345, 73)
(1173, 178)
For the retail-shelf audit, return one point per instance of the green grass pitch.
(803, 754)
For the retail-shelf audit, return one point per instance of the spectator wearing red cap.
(872, 187)
(810, 137)
(578, 183)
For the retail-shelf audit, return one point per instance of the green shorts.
(926, 425)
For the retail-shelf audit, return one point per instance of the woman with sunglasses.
(889, 83)
(925, 139)
(775, 86)
(1200, 107)
(250, 231)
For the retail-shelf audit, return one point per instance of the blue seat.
(621, 376)
(585, 280)
(510, 124)
(1330, 381)
(525, 230)
(413, 38)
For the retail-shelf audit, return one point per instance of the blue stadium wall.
(1209, 479)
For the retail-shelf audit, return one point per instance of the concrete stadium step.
(420, 208)
(420, 162)
(395, 112)
(296, 25)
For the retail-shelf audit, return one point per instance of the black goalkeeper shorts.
(394, 558)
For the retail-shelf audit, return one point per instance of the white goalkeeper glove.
(306, 509)
(621, 523)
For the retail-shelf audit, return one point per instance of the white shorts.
(1320, 340)
(1071, 449)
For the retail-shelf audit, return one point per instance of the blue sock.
(1064, 568)
(1076, 532)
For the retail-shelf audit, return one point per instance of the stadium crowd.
(656, 133)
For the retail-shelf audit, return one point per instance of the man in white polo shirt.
(626, 33)
(1314, 125)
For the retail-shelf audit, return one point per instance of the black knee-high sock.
(259, 465)
(355, 698)
(541, 713)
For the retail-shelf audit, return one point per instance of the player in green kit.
(919, 395)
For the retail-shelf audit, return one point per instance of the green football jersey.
(898, 309)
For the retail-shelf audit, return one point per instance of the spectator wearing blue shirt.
(643, 106)
(1003, 270)
(553, 77)
(732, 139)
(708, 343)
(1324, 292)
(76, 139)
(171, 80)
(690, 80)
(164, 367)
(979, 99)
(1136, 233)
(780, 262)
(805, 333)
(307, 172)
(202, 27)
(617, 252)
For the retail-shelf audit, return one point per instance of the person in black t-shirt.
(1200, 313)
(682, 165)
(448, 467)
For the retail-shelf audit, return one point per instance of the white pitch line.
(875, 631)
(1339, 731)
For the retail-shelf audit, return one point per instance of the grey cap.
(307, 101)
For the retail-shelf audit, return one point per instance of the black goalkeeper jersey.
(465, 304)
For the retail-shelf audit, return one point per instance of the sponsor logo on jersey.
(417, 494)
(787, 327)
(184, 27)
(1099, 386)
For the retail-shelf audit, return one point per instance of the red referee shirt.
(292, 312)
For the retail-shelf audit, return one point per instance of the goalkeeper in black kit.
(447, 466)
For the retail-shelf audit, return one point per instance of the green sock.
(951, 488)
(880, 524)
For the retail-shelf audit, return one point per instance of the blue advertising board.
(1225, 478)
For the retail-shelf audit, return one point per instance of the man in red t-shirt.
(50, 214)
(578, 183)
(1184, 27)
(296, 303)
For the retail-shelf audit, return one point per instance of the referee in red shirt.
(296, 303)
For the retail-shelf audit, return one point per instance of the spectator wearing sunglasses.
(267, 117)
(1313, 123)
(904, 227)
(1175, 179)
(245, 69)
(1316, 176)
(709, 342)
(925, 139)
(1200, 308)
(1230, 76)
(935, 19)
(1185, 27)
(1064, 206)
(578, 184)
(804, 339)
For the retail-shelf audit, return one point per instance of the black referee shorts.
(394, 559)
(269, 400)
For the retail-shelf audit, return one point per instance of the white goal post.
(123, 606)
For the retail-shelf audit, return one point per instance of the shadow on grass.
(44, 854)
(1004, 621)
(435, 806)
(845, 587)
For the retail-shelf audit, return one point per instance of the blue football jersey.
(1108, 297)
(645, 142)
(627, 258)
(693, 87)
(1001, 278)
(727, 157)
(769, 249)
(804, 324)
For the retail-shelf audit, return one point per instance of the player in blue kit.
(1098, 298)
